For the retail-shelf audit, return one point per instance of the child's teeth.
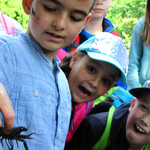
(141, 130)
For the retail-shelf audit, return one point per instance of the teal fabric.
(121, 96)
(139, 59)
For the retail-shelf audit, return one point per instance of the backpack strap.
(104, 141)
(70, 47)
(7, 24)
(89, 107)
(73, 46)
(147, 147)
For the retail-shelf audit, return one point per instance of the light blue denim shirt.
(139, 59)
(41, 101)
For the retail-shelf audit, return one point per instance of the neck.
(94, 26)
(136, 147)
(50, 54)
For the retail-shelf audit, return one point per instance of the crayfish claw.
(14, 135)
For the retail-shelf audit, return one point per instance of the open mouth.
(84, 91)
(138, 129)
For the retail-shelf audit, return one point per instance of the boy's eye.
(144, 108)
(76, 19)
(49, 8)
(92, 69)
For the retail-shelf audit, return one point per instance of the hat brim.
(138, 91)
(108, 59)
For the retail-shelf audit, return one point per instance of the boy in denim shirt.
(36, 86)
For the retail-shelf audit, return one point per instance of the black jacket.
(93, 126)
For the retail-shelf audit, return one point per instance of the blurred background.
(124, 14)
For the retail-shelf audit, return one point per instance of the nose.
(94, 83)
(99, 2)
(59, 22)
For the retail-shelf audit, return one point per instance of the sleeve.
(88, 133)
(135, 55)
(6, 63)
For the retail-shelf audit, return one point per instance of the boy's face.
(138, 122)
(54, 24)
(89, 79)
(101, 8)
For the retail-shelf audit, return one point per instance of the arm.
(6, 110)
(136, 51)
(6, 77)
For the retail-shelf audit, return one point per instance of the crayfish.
(14, 135)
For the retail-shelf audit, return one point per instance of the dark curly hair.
(64, 65)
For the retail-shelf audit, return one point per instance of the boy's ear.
(132, 103)
(26, 6)
(88, 18)
(74, 58)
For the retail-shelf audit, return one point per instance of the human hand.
(6, 110)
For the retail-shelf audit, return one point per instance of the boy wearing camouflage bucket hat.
(91, 71)
(129, 128)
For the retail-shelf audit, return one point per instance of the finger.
(6, 109)
(8, 116)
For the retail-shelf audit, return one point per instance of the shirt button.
(50, 64)
(68, 106)
(36, 93)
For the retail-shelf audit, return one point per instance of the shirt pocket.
(36, 110)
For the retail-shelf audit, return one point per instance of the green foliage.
(14, 9)
(124, 14)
